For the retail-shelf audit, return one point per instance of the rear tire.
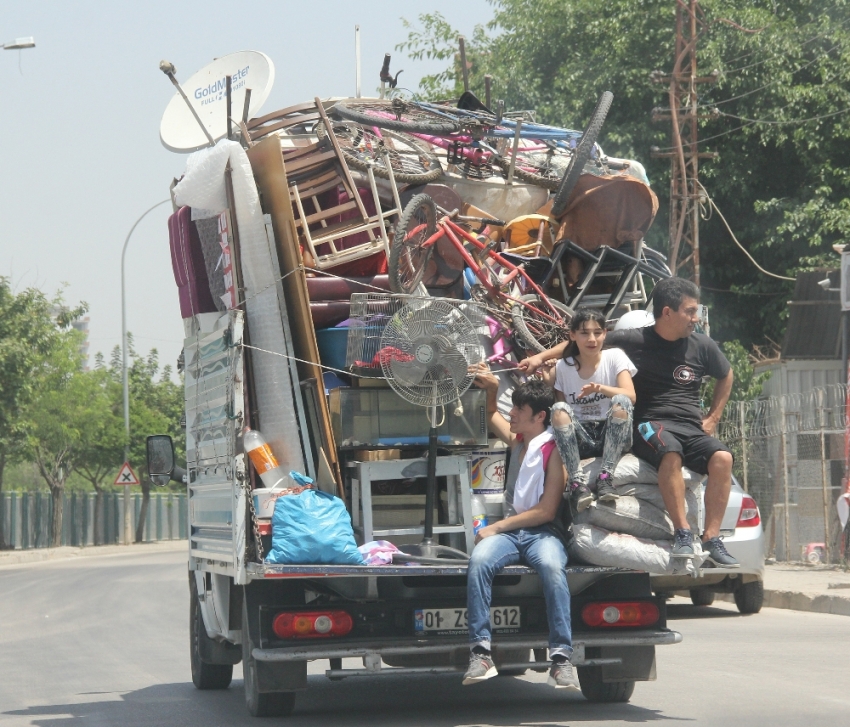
(595, 690)
(260, 704)
(701, 597)
(386, 115)
(408, 259)
(204, 675)
(537, 333)
(749, 597)
(581, 155)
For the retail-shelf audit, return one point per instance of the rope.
(735, 239)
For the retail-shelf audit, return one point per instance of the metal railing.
(789, 455)
(27, 517)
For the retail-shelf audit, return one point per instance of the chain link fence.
(789, 455)
(26, 518)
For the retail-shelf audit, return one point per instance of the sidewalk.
(798, 587)
(38, 555)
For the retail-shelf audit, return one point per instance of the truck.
(395, 618)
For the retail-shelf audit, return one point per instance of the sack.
(631, 470)
(312, 528)
(652, 495)
(631, 516)
(596, 546)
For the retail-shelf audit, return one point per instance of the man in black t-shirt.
(670, 430)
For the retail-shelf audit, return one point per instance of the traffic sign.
(126, 476)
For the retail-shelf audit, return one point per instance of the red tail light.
(312, 624)
(620, 613)
(265, 527)
(750, 516)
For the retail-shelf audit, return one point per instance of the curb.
(797, 601)
(10, 558)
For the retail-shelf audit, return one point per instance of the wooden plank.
(267, 163)
(280, 113)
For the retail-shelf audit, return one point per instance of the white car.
(743, 536)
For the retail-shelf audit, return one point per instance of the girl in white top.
(593, 416)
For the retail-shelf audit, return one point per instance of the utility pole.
(684, 174)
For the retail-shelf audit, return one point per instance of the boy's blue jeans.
(542, 550)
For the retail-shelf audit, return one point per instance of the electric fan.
(427, 349)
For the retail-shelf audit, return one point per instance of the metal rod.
(513, 152)
(168, 69)
(743, 445)
(128, 527)
(246, 106)
(228, 98)
(784, 442)
(824, 474)
(461, 41)
(488, 80)
(357, 61)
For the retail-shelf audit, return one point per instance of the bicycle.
(506, 286)
(464, 127)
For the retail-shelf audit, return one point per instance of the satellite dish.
(206, 91)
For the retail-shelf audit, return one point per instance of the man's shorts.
(655, 438)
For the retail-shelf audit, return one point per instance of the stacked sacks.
(635, 531)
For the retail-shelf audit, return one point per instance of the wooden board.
(267, 163)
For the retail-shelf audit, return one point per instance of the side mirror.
(160, 451)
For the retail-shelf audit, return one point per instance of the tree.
(32, 329)
(783, 97)
(156, 407)
(59, 419)
(101, 448)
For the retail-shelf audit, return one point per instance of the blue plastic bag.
(310, 528)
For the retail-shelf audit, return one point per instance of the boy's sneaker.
(605, 490)
(481, 667)
(683, 544)
(718, 554)
(561, 676)
(580, 496)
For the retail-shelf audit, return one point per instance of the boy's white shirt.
(531, 476)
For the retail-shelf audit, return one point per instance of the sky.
(80, 153)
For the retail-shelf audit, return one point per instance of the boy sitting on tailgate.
(534, 486)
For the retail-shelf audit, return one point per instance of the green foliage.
(782, 178)
(747, 384)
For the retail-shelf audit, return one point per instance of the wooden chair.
(330, 208)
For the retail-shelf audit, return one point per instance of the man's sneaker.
(683, 544)
(580, 496)
(481, 667)
(561, 676)
(718, 554)
(605, 490)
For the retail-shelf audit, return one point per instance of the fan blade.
(456, 366)
(410, 373)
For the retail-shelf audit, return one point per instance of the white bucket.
(264, 500)
(487, 471)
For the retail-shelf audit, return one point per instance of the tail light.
(264, 527)
(749, 516)
(312, 624)
(620, 614)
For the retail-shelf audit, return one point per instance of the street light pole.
(128, 525)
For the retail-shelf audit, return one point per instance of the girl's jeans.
(610, 441)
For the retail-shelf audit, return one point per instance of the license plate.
(453, 620)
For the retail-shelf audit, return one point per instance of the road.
(102, 641)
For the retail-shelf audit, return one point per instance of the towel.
(532, 473)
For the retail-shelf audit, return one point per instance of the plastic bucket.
(487, 471)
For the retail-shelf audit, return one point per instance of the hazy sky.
(79, 129)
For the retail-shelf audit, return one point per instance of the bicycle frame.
(448, 228)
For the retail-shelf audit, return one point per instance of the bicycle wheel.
(581, 154)
(411, 161)
(398, 115)
(544, 169)
(534, 326)
(408, 259)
